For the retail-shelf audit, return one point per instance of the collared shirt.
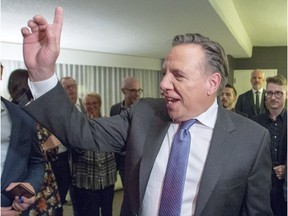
(201, 134)
(275, 128)
(94, 170)
(6, 127)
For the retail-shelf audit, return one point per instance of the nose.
(166, 82)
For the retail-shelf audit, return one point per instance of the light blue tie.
(174, 180)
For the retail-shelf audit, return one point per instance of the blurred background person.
(94, 174)
(275, 120)
(19, 143)
(48, 199)
(131, 89)
(228, 97)
(252, 102)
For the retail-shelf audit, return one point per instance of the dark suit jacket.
(237, 174)
(116, 109)
(24, 161)
(245, 104)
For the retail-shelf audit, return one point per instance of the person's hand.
(41, 45)
(280, 171)
(9, 211)
(21, 203)
(51, 143)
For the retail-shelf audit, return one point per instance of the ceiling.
(145, 28)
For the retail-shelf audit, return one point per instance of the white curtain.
(106, 81)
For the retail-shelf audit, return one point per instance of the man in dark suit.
(252, 102)
(275, 120)
(131, 89)
(21, 158)
(226, 160)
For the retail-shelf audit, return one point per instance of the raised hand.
(41, 45)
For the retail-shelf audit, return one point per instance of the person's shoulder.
(116, 105)
(242, 121)
(245, 93)
(17, 112)
(259, 116)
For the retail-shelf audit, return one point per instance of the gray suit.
(237, 175)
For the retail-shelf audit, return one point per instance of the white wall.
(13, 51)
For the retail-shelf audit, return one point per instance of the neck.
(274, 113)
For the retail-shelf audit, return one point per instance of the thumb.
(11, 185)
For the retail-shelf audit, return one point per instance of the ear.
(214, 81)
(123, 91)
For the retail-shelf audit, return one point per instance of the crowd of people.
(232, 154)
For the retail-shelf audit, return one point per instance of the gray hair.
(216, 57)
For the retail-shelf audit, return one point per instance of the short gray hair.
(216, 57)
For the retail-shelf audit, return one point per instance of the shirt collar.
(260, 90)
(208, 118)
(3, 107)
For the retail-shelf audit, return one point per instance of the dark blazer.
(24, 161)
(236, 178)
(116, 109)
(245, 103)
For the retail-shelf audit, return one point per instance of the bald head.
(131, 88)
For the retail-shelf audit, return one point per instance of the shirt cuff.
(41, 87)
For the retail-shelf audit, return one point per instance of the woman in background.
(47, 200)
(94, 174)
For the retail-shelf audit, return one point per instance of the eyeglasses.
(72, 86)
(277, 94)
(135, 91)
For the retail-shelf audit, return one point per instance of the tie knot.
(187, 124)
(257, 92)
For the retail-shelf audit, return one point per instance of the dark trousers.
(89, 202)
(277, 200)
(120, 165)
(61, 169)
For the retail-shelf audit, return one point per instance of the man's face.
(187, 89)
(70, 87)
(132, 92)
(257, 79)
(227, 97)
(273, 102)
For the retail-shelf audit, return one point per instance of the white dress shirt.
(201, 134)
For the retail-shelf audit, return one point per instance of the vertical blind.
(105, 81)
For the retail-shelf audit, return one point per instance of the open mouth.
(171, 100)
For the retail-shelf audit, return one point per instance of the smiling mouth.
(171, 100)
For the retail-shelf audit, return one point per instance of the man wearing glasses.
(131, 89)
(276, 122)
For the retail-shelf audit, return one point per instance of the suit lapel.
(16, 126)
(251, 100)
(153, 142)
(218, 150)
(262, 104)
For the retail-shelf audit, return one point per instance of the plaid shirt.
(93, 170)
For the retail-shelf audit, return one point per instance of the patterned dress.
(48, 199)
